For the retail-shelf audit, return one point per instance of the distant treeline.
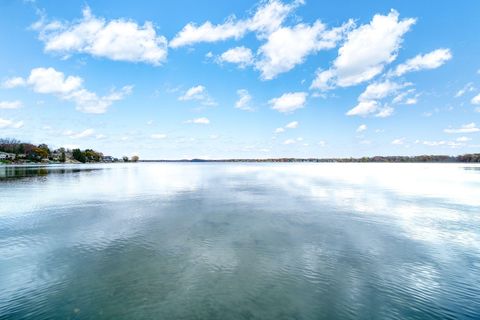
(15, 151)
(475, 157)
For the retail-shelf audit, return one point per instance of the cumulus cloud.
(292, 125)
(290, 141)
(239, 55)
(70, 88)
(201, 120)
(476, 99)
(120, 39)
(362, 128)
(463, 139)
(284, 47)
(288, 46)
(293, 141)
(467, 88)
(268, 17)
(7, 123)
(398, 141)
(364, 108)
(198, 93)
(365, 53)
(289, 102)
(380, 90)
(49, 80)
(244, 99)
(13, 82)
(158, 136)
(369, 101)
(466, 128)
(79, 135)
(384, 112)
(438, 143)
(431, 60)
(11, 104)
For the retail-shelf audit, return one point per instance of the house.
(7, 156)
(108, 159)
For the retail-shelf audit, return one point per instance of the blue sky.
(242, 79)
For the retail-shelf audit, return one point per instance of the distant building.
(108, 159)
(7, 156)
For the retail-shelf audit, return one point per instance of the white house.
(7, 156)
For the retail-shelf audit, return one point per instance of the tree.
(92, 155)
(125, 159)
(78, 155)
(135, 158)
(44, 147)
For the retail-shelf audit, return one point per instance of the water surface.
(240, 241)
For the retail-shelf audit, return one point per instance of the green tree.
(92, 155)
(78, 155)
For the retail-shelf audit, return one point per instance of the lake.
(240, 241)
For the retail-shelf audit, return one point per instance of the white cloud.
(362, 128)
(467, 88)
(194, 93)
(285, 47)
(208, 32)
(202, 120)
(79, 135)
(364, 108)
(466, 128)
(463, 139)
(90, 102)
(379, 90)
(289, 102)
(288, 46)
(49, 80)
(368, 101)
(322, 143)
(120, 39)
(451, 144)
(267, 18)
(198, 93)
(158, 136)
(70, 88)
(100, 136)
(431, 60)
(238, 55)
(10, 104)
(476, 99)
(411, 101)
(385, 112)
(365, 52)
(398, 141)
(13, 82)
(244, 99)
(290, 141)
(292, 125)
(6, 123)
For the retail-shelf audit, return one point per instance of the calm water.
(240, 241)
